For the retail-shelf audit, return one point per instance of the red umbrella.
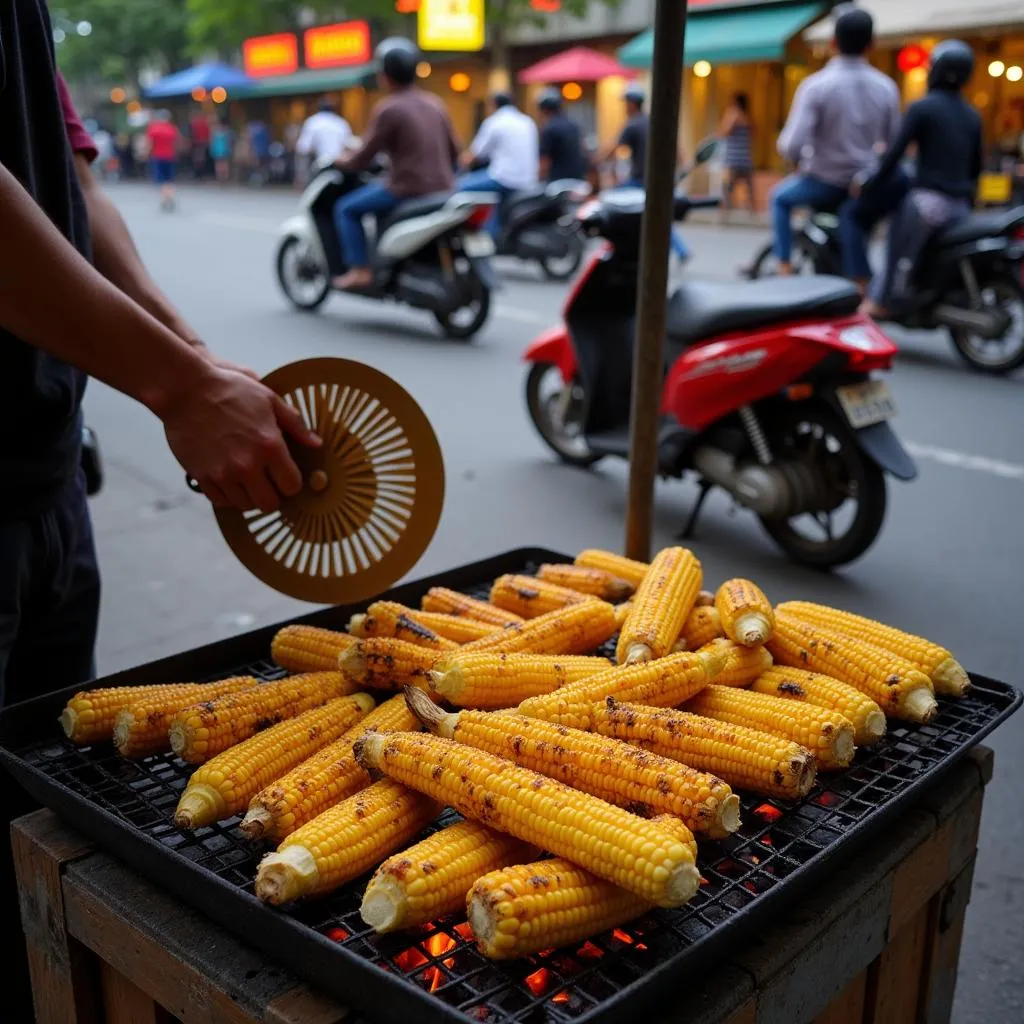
(580, 64)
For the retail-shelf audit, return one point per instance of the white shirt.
(508, 138)
(324, 136)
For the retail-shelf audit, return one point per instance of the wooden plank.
(746, 1014)
(123, 1002)
(940, 983)
(894, 979)
(64, 980)
(848, 1006)
(302, 1005)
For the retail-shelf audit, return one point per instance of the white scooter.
(430, 252)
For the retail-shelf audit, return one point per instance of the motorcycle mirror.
(706, 150)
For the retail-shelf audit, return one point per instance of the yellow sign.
(452, 25)
(994, 188)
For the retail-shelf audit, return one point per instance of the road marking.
(523, 315)
(963, 460)
(243, 221)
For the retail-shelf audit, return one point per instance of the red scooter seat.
(703, 309)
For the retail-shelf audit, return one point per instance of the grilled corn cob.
(308, 648)
(746, 614)
(625, 568)
(384, 663)
(898, 688)
(701, 627)
(530, 597)
(387, 618)
(596, 582)
(141, 727)
(575, 629)
(946, 673)
(432, 878)
(225, 784)
(745, 758)
(451, 602)
(323, 780)
(626, 776)
(826, 692)
(826, 734)
(523, 909)
(741, 665)
(665, 682)
(486, 679)
(201, 731)
(343, 842)
(662, 604)
(636, 854)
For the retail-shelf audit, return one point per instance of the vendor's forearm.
(53, 299)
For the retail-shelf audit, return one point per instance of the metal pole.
(659, 183)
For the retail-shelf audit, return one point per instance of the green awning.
(306, 82)
(732, 36)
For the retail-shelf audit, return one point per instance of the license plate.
(867, 403)
(478, 244)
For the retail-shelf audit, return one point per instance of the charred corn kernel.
(384, 663)
(946, 673)
(701, 627)
(596, 582)
(308, 648)
(825, 733)
(530, 597)
(644, 783)
(741, 665)
(825, 692)
(663, 683)
(622, 612)
(225, 784)
(141, 727)
(343, 842)
(388, 619)
(202, 731)
(451, 602)
(662, 604)
(746, 614)
(520, 910)
(575, 629)
(486, 679)
(625, 568)
(323, 780)
(744, 758)
(638, 855)
(432, 878)
(899, 689)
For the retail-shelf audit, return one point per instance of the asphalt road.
(944, 566)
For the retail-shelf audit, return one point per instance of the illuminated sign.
(452, 25)
(334, 46)
(270, 55)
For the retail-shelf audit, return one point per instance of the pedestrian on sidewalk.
(737, 135)
(164, 144)
(221, 145)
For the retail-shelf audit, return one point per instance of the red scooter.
(767, 394)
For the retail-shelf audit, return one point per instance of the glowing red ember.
(539, 982)
(768, 812)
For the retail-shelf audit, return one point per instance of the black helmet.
(853, 30)
(635, 94)
(503, 98)
(950, 65)
(398, 58)
(550, 99)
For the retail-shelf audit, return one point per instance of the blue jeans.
(481, 181)
(797, 190)
(679, 247)
(348, 219)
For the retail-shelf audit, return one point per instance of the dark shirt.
(562, 144)
(947, 131)
(634, 135)
(40, 396)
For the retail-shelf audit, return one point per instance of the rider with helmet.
(947, 132)
(561, 144)
(413, 129)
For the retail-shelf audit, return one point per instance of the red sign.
(334, 46)
(407, 6)
(271, 55)
(547, 6)
(911, 56)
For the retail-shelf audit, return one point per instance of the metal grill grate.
(776, 842)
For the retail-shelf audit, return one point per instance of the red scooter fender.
(554, 346)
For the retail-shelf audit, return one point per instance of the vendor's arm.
(225, 429)
(802, 122)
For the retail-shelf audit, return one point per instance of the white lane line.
(242, 221)
(963, 460)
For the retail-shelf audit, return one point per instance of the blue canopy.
(201, 76)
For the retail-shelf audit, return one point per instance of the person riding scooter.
(947, 132)
(413, 129)
(561, 144)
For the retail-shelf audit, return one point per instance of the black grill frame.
(753, 875)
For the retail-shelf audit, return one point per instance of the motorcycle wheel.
(561, 268)
(765, 264)
(461, 324)
(854, 482)
(561, 431)
(996, 356)
(304, 281)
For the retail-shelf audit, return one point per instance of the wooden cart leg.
(64, 973)
(125, 1003)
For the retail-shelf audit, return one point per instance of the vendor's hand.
(228, 432)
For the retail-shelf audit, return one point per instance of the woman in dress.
(736, 132)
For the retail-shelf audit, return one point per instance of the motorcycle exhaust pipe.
(423, 292)
(754, 487)
(990, 325)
